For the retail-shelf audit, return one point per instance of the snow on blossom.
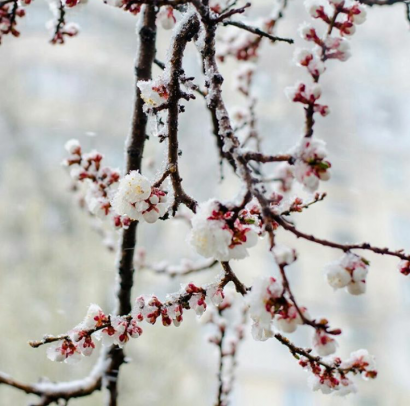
(215, 293)
(100, 182)
(362, 362)
(153, 92)
(222, 233)
(288, 318)
(166, 17)
(120, 330)
(64, 351)
(310, 60)
(310, 166)
(349, 271)
(323, 343)
(261, 299)
(95, 317)
(138, 200)
(197, 303)
(331, 383)
(352, 11)
(337, 48)
(308, 33)
(82, 340)
(284, 255)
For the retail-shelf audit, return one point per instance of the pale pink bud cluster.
(308, 95)
(310, 60)
(348, 272)
(223, 233)
(101, 182)
(137, 199)
(362, 362)
(110, 329)
(349, 13)
(328, 382)
(336, 379)
(310, 165)
(268, 305)
(9, 17)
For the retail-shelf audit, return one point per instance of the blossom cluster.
(137, 199)
(310, 165)
(153, 92)
(223, 233)
(79, 341)
(350, 13)
(308, 95)
(335, 379)
(118, 330)
(101, 182)
(9, 12)
(268, 304)
(348, 272)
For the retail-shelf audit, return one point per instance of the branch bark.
(135, 149)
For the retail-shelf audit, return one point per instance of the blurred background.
(52, 262)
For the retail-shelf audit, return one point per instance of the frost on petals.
(284, 255)
(223, 234)
(288, 318)
(153, 92)
(138, 200)
(262, 299)
(349, 272)
(362, 362)
(64, 351)
(310, 164)
(323, 343)
(166, 17)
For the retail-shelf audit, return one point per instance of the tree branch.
(135, 148)
(257, 31)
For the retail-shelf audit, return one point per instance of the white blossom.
(349, 271)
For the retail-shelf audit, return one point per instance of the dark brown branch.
(230, 13)
(317, 325)
(259, 157)
(186, 34)
(135, 149)
(344, 247)
(230, 276)
(306, 352)
(257, 31)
